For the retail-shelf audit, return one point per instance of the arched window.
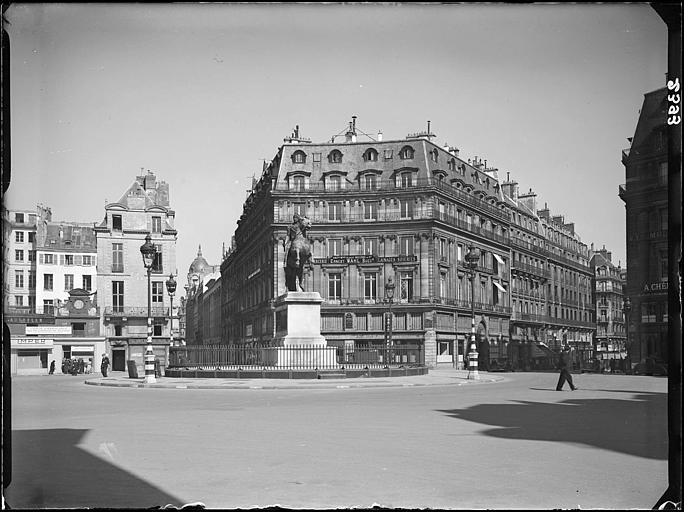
(299, 157)
(370, 155)
(335, 157)
(406, 153)
(434, 155)
(452, 164)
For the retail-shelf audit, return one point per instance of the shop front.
(30, 356)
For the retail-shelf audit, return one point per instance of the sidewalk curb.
(341, 384)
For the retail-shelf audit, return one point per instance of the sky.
(201, 94)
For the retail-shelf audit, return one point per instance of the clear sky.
(201, 94)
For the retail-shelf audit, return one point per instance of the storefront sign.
(655, 287)
(370, 258)
(31, 343)
(49, 329)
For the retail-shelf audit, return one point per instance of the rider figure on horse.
(293, 230)
(297, 252)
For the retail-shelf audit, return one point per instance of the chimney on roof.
(454, 151)
(379, 136)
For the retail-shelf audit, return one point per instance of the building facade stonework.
(122, 278)
(645, 194)
(409, 210)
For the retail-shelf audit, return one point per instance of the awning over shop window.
(501, 288)
(499, 259)
(80, 351)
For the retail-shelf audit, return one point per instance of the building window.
(48, 282)
(335, 157)
(158, 292)
(87, 283)
(31, 255)
(334, 247)
(406, 246)
(442, 285)
(157, 264)
(317, 158)
(370, 210)
(19, 237)
(31, 237)
(19, 278)
(118, 330)
(19, 300)
(19, 255)
(334, 183)
(443, 250)
(452, 165)
(370, 286)
(48, 306)
(87, 261)
(406, 286)
(78, 329)
(335, 286)
(434, 155)
(298, 183)
(157, 329)
(406, 153)
(118, 296)
(406, 208)
(299, 209)
(117, 257)
(156, 224)
(406, 179)
(334, 211)
(116, 223)
(370, 182)
(388, 154)
(370, 246)
(370, 155)
(32, 280)
(68, 282)
(299, 157)
(68, 259)
(19, 218)
(49, 259)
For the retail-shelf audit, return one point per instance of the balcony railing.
(135, 311)
(531, 269)
(383, 186)
(224, 357)
(461, 303)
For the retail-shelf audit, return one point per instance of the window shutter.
(61, 259)
(40, 257)
(78, 260)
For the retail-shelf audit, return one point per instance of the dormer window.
(452, 165)
(434, 155)
(335, 157)
(297, 183)
(370, 155)
(333, 182)
(299, 157)
(406, 153)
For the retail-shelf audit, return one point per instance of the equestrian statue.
(297, 253)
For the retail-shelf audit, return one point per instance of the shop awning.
(501, 288)
(82, 350)
(499, 259)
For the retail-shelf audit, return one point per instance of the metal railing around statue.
(211, 357)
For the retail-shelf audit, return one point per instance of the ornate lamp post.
(472, 258)
(171, 288)
(389, 298)
(148, 252)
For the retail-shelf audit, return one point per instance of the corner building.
(406, 209)
(645, 194)
(122, 277)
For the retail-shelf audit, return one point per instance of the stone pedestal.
(298, 332)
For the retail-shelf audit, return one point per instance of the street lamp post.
(472, 258)
(171, 288)
(389, 297)
(148, 252)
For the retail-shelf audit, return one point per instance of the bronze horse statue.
(297, 253)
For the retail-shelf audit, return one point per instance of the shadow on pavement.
(51, 471)
(635, 426)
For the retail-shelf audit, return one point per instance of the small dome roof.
(199, 264)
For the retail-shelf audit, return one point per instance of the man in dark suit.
(563, 363)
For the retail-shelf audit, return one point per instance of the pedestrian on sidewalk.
(563, 363)
(104, 365)
(52, 367)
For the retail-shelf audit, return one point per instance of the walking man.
(104, 365)
(563, 362)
